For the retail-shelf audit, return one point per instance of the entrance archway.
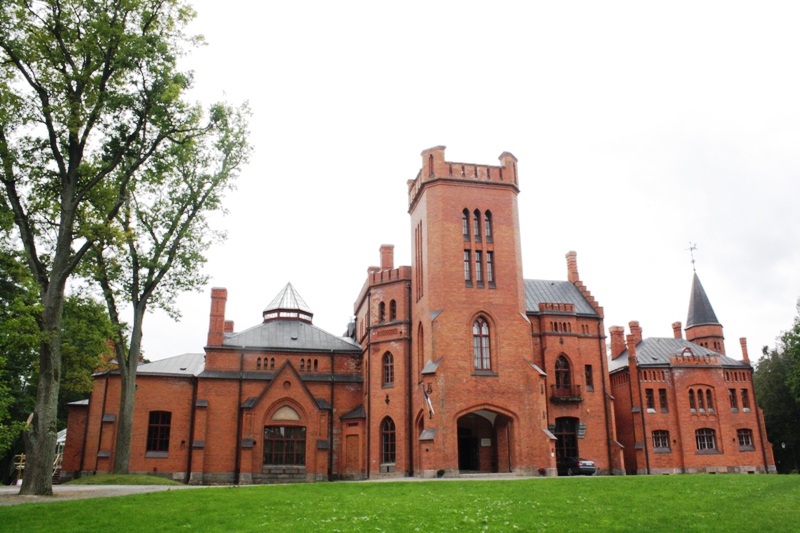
(567, 434)
(484, 442)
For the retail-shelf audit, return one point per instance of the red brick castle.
(453, 365)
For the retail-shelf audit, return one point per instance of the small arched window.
(388, 441)
(302, 364)
(315, 365)
(271, 363)
(258, 364)
(388, 369)
(465, 224)
(476, 226)
(382, 312)
(480, 344)
(392, 311)
(692, 405)
(487, 226)
(708, 400)
(700, 403)
(563, 378)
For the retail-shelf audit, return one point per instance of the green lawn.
(644, 504)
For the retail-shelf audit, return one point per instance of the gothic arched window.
(388, 369)
(480, 344)
(388, 441)
(563, 378)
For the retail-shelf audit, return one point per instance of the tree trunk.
(127, 369)
(40, 438)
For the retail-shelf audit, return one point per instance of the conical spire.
(288, 304)
(700, 310)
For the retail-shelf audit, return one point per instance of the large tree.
(163, 233)
(89, 91)
(774, 379)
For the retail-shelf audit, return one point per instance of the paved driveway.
(10, 495)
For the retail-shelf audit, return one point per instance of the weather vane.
(692, 248)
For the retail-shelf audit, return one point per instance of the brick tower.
(471, 345)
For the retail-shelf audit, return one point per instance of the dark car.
(575, 466)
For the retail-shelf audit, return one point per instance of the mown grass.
(122, 479)
(652, 504)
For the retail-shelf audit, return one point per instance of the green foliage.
(776, 380)
(123, 479)
(722, 503)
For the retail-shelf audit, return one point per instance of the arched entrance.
(484, 442)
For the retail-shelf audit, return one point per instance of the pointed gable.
(700, 310)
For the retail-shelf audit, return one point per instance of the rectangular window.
(158, 431)
(490, 267)
(732, 397)
(651, 399)
(745, 437)
(705, 439)
(745, 399)
(589, 377)
(467, 269)
(284, 445)
(662, 399)
(478, 267)
(660, 439)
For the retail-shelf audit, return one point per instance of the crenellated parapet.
(434, 167)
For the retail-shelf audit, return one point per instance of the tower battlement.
(435, 167)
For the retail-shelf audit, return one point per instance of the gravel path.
(10, 495)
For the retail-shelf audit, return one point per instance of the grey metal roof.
(294, 335)
(700, 310)
(561, 292)
(355, 413)
(188, 364)
(288, 298)
(431, 366)
(656, 351)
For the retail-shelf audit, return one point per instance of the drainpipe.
(237, 442)
(330, 427)
(600, 334)
(191, 430)
(369, 375)
(102, 414)
(410, 388)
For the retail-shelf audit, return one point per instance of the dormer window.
(687, 352)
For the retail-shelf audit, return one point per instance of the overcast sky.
(639, 128)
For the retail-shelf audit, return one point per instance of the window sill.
(651, 410)
(746, 410)
(664, 411)
(734, 409)
(388, 386)
(747, 448)
(468, 284)
(156, 455)
(708, 452)
(488, 373)
(662, 450)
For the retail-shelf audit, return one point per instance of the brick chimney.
(745, 357)
(216, 322)
(636, 331)
(631, 339)
(676, 330)
(229, 326)
(572, 267)
(617, 334)
(387, 256)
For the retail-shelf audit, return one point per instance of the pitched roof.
(294, 335)
(563, 292)
(188, 364)
(288, 299)
(656, 351)
(700, 310)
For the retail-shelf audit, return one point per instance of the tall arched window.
(388, 369)
(392, 311)
(388, 442)
(708, 400)
(420, 347)
(487, 226)
(692, 405)
(382, 312)
(480, 344)
(476, 226)
(465, 224)
(563, 378)
(700, 403)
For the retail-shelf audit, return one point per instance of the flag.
(427, 398)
